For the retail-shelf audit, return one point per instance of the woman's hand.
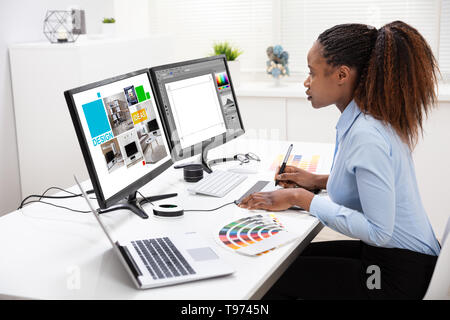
(294, 177)
(278, 200)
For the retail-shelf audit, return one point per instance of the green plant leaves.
(226, 49)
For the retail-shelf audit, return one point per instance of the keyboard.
(161, 258)
(217, 184)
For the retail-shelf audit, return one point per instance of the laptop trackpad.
(202, 254)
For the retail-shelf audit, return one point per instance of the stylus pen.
(283, 165)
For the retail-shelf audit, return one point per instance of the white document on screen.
(196, 109)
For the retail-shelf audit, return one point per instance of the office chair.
(439, 287)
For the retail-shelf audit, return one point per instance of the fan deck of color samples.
(255, 235)
(305, 162)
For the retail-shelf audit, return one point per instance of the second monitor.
(198, 105)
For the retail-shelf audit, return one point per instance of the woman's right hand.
(294, 177)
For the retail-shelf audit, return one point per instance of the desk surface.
(51, 253)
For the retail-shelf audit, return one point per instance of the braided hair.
(396, 72)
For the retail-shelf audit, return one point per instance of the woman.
(383, 83)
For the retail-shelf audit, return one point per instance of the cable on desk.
(191, 210)
(57, 188)
(55, 205)
(208, 210)
(72, 195)
(144, 197)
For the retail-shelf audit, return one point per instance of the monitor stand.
(135, 205)
(204, 160)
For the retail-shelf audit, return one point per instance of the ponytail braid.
(396, 72)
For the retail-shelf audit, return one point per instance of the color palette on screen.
(222, 80)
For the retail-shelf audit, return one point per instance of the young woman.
(383, 82)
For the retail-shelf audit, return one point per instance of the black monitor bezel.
(210, 143)
(134, 186)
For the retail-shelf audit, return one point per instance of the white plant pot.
(109, 29)
(235, 72)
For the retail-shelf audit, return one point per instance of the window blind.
(444, 43)
(303, 21)
(198, 24)
(253, 25)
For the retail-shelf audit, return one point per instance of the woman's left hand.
(277, 200)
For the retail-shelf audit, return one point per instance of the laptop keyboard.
(162, 259)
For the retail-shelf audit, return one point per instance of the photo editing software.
(123, 131)
(198, 101)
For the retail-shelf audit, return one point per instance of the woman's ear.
(343, 75)
(346, 75)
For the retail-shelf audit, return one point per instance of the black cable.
(208, 210)
(204, 210)
(40, 197)
(55, 205)
(144, 197)
(72, 195)
(57, 188)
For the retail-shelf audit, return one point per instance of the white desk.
(51, 253)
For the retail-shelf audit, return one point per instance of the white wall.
(22, 21)
(432, 162)
(132, 16)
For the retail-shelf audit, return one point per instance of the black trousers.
(351, 269)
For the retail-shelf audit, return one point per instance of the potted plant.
(232, 53)
(109, 26)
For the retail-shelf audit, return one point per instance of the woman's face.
(323, 83)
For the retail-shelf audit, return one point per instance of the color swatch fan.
(255, 235)
(306, 162)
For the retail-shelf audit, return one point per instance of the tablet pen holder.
(192, 172)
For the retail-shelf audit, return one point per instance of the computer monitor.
(109, 117)
(198, 105)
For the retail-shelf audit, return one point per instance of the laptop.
(167, 260)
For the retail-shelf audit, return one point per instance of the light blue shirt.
(373, 189)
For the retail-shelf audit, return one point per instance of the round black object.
(193, 172)
(168, 210)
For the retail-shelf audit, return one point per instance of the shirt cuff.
(323, 209)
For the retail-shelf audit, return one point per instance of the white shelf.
(444, 92)
(297, 90)
(85, 41)
(269, 89)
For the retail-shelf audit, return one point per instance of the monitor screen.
(110, 118)
(198, 104)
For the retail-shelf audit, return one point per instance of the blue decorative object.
(277, 65)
